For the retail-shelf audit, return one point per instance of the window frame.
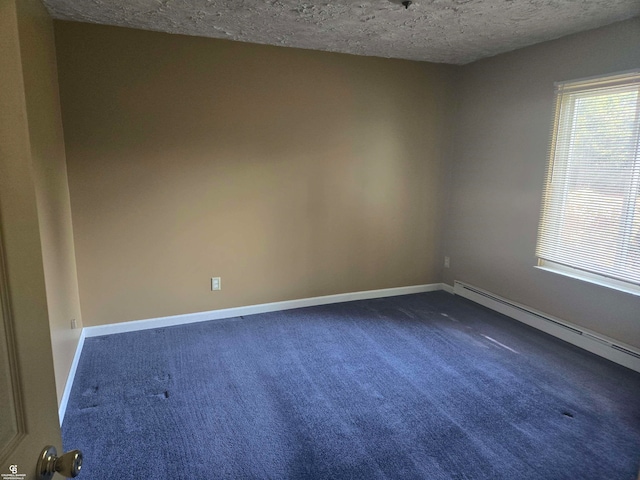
(557, 169)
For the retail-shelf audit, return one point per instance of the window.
(590, 223)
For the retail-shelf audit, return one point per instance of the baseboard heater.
(593, 342)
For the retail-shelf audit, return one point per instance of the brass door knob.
(67, 465)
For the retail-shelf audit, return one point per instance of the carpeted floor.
(427, 386)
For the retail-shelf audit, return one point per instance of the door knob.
(67, 465)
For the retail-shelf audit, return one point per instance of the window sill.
(590, 278)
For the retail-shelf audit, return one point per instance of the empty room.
(294, 240)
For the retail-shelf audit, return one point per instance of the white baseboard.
(447, 288)
(615, 351)
(228, 313)
(593, 342)
(71, 377)
(253, 309)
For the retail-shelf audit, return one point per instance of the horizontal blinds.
(591, 207)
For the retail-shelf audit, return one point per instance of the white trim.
(593, 342)
(584, 276)
(447, 288)
(597, 77)
(229, 313)
(71, 377)
(573, 334)
(170, 321)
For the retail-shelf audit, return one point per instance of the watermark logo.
(13, 475)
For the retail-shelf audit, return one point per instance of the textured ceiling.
(446, 31)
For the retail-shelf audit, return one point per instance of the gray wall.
(497, 170)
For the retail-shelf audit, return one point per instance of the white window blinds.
(591, 207)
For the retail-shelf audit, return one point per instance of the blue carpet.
(427, 386)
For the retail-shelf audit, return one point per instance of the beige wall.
(289, 173)
(293, 173)
(498, 167)
(23, 298)
(37, 47)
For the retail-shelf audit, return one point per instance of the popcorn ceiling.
(443, 31)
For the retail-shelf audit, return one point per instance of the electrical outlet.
(447, 263)
(216, 283)
(74, 324)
